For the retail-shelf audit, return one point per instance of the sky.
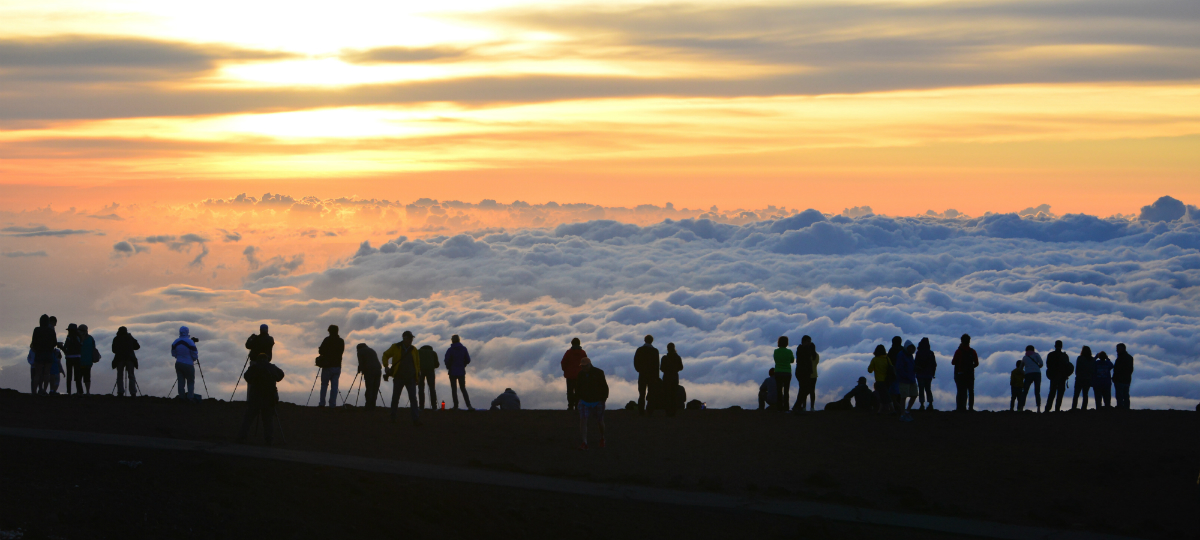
(520, 173)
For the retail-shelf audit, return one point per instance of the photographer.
(260, 344)
(261, 396)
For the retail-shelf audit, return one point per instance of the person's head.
(454, 339)
(44, 320)
(880, 350)
(649, 339)
(1102, 355)
(333, 329)
(362, 346)
(805, 340)
(670, 347)
(122, 331)
(783, 341)
(896, 341)
(1085, 351)
(908, 346)
(407, 336)
(183, 331)
(923, 344)
(1029, 349)
(262, 329)
(72, 329)
(1018, 364)
(1121, 348)
(966, 340)
(585, 363)
(862, 381)
(83, 329)
(575, 342)
(1058, 345)
(771, 372)
(53, 320)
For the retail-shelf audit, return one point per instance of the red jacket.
(965, 360)
(570, 362)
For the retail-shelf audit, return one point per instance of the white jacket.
(1032, 362)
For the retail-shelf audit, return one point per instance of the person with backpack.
(185, 353)
(457, 359)
(570, 369)
(881, 366)
(1032, 363)
(71, 349)
(1058, 370)
(1085, 372)
(371, 370)
(672, 364)
(405, 365)
(593, 393)
(806, 374)
(329, 359)
(125, 361)
(965, 361)
(645, 362)
(1123, 376)
(783, 374)
(262, 394)
(429, 365)
(926, 370)
(1102, 382)
(88, 355)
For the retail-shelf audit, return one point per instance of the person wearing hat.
(71, 348)
(186, 355)
(261, 345)
(404, 365)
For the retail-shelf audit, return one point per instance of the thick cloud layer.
(723, 292)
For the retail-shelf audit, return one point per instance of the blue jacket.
(906, 368)
(456, 359)
(184, 349)
(1104, 369)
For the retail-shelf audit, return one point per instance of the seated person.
(767, 392)
(864, 399)
(508, 401)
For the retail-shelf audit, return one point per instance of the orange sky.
(903, 106)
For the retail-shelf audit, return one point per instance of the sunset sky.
(904, 106)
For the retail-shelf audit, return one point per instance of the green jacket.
(783, 360)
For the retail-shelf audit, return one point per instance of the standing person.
(768, 392)
(261, 396)
(965, 361)
(906, 377)
(429, 365)
(593, 393)
(645, 362)
(1102, 383)
(71, 349)
(806, 374)
(1123, 376)
(1085, 371)
(570, 369)
(261, 345)
(1058, 370)
(186, 355)
(672, 364)
(881, 365)
(783, 374)
(1033, 376)
(926, 369)
(1016, 381)
(88, 355)
(457, 358)
(405, 365)
(329, 359)
(42, 344)
(125, 361)
(372, 370)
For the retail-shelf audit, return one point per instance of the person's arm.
(871, 366)
(136, 345)
(387, 354)
(466, 356)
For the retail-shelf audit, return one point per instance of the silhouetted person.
(859, 398)
(926, 369)
(965, 361)
(56, 371)
(806, 374)
(672, 364)
(261, 345)
(906, 375)
(43, 343)
(1102, 382)
(1016, 382)
(88, 355)
(1058, 370)
(125, 360)
(570, 369)
(783, 374)
(1122, 376)
(768, 392)
(185, 353)
(1032, 364)
(1085, 372)
(429, 365)
(405, 365)
(507, 401)
(645, 362)
(261, 396)
(329, 359)
(881, 366)
(371, 370)
(593, 393)
(457, 359)
(71, 348)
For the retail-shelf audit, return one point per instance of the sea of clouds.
(722, 291)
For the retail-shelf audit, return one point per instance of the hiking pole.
(239, 379)
(314, 387)
(202, 379)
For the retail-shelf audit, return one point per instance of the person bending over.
(593, 393)
(371, 370)
(429, 365)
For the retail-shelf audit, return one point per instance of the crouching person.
(261, 396)
(507, 401)
(593, 392)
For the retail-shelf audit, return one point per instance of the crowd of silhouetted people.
(903, 376)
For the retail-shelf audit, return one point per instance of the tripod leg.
(202, 379)
(314, 387)
(279, 422)
(239, 379)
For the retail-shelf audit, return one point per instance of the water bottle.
(443, 404)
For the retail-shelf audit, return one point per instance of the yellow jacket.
(393, 354)
(879, 366)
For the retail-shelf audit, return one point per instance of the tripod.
(278, 422)
(239, 379)
(202, 379)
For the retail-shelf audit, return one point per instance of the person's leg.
(267, 413)
(583, 421)
(600, 421)
(572, 400)
(812, 394)
(671, 390)
(371, 381)
(335, 376)
(191, 383)
(462, 385)
(414, 406)
(395, 396)
(783, 385)
(180, 381)
(1012, 400)
(433, 401)
(133, 389)
(971, 393)
(252, 408)
(421, 389)
(1085, 389)
(762, 400)
(120, 380)
(70, 373)
(643, 385)
(33, 378)
(1050, 393)
(1123, 396)
(454, 390)
(87, 379)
